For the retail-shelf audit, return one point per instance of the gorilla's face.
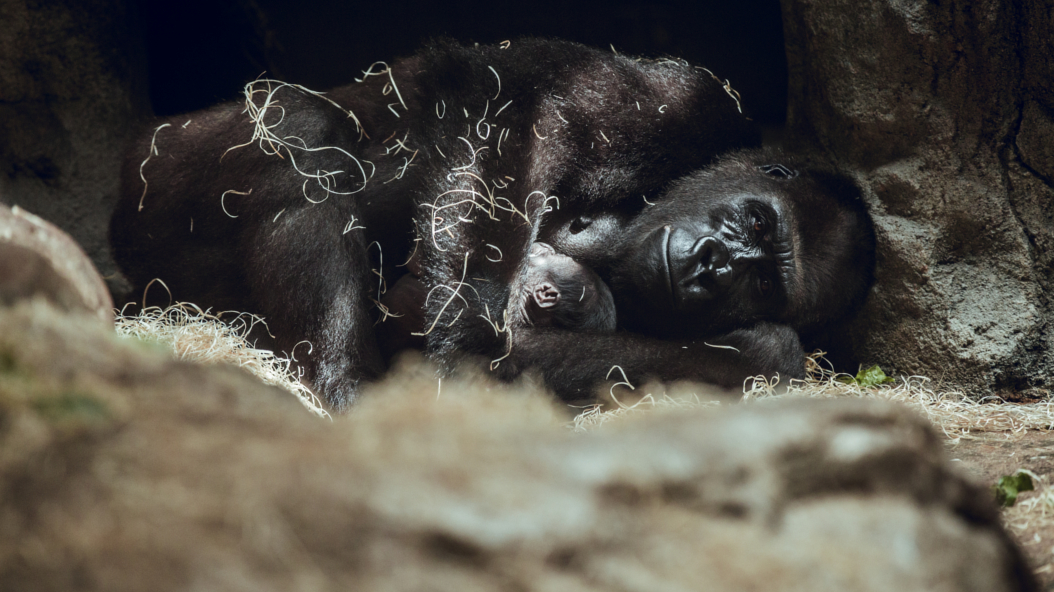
(698, 263)
(737, 243)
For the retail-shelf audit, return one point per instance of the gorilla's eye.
(765, 286)
(580, 223)
(759, 228)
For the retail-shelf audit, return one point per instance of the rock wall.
(72, 89)
(945, 111)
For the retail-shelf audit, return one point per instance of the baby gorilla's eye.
(580, 223)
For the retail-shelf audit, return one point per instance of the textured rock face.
(72, 86)
(123, 470)
(36, 258)
(946, 113)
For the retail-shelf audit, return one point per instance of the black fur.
(587, 139)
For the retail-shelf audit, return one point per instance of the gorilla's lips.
(649, 270)
(666, 267)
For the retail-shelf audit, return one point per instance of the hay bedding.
(196, 335)
(948, 409)
(202, 336)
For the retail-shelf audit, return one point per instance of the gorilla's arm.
(574, 364)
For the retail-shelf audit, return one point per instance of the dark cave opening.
(202, 52)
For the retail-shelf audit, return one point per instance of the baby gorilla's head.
(557, 291)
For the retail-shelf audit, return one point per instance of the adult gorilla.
(458, 159)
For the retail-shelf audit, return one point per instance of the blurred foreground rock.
(36, 258)
(121, 469)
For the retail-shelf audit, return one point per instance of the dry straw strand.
(151, 152)
(499, 82)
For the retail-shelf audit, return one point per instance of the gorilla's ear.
(546, 295)
(541, 250)
(778, 170)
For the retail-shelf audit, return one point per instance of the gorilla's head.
(757, 236)
(557, 291)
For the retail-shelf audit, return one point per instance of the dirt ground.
(987, 456)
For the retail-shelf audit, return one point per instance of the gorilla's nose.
(697, 267)
(711, 254)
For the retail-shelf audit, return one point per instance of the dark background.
(203, 51)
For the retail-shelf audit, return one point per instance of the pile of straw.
(195, 335)
(200, 336)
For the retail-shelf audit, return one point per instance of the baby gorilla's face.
(559, 292)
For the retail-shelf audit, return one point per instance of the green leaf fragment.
(867, 377)
(1009, 486)
(872, 376)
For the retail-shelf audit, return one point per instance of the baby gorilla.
(557, 291)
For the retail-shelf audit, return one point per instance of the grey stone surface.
(121, 469)
(944, 112)
(38, 259)
(72, 90)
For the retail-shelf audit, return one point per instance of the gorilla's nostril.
(711, 253)
(705, 255)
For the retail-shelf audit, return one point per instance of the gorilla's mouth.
(667, 268)
(643, 279)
